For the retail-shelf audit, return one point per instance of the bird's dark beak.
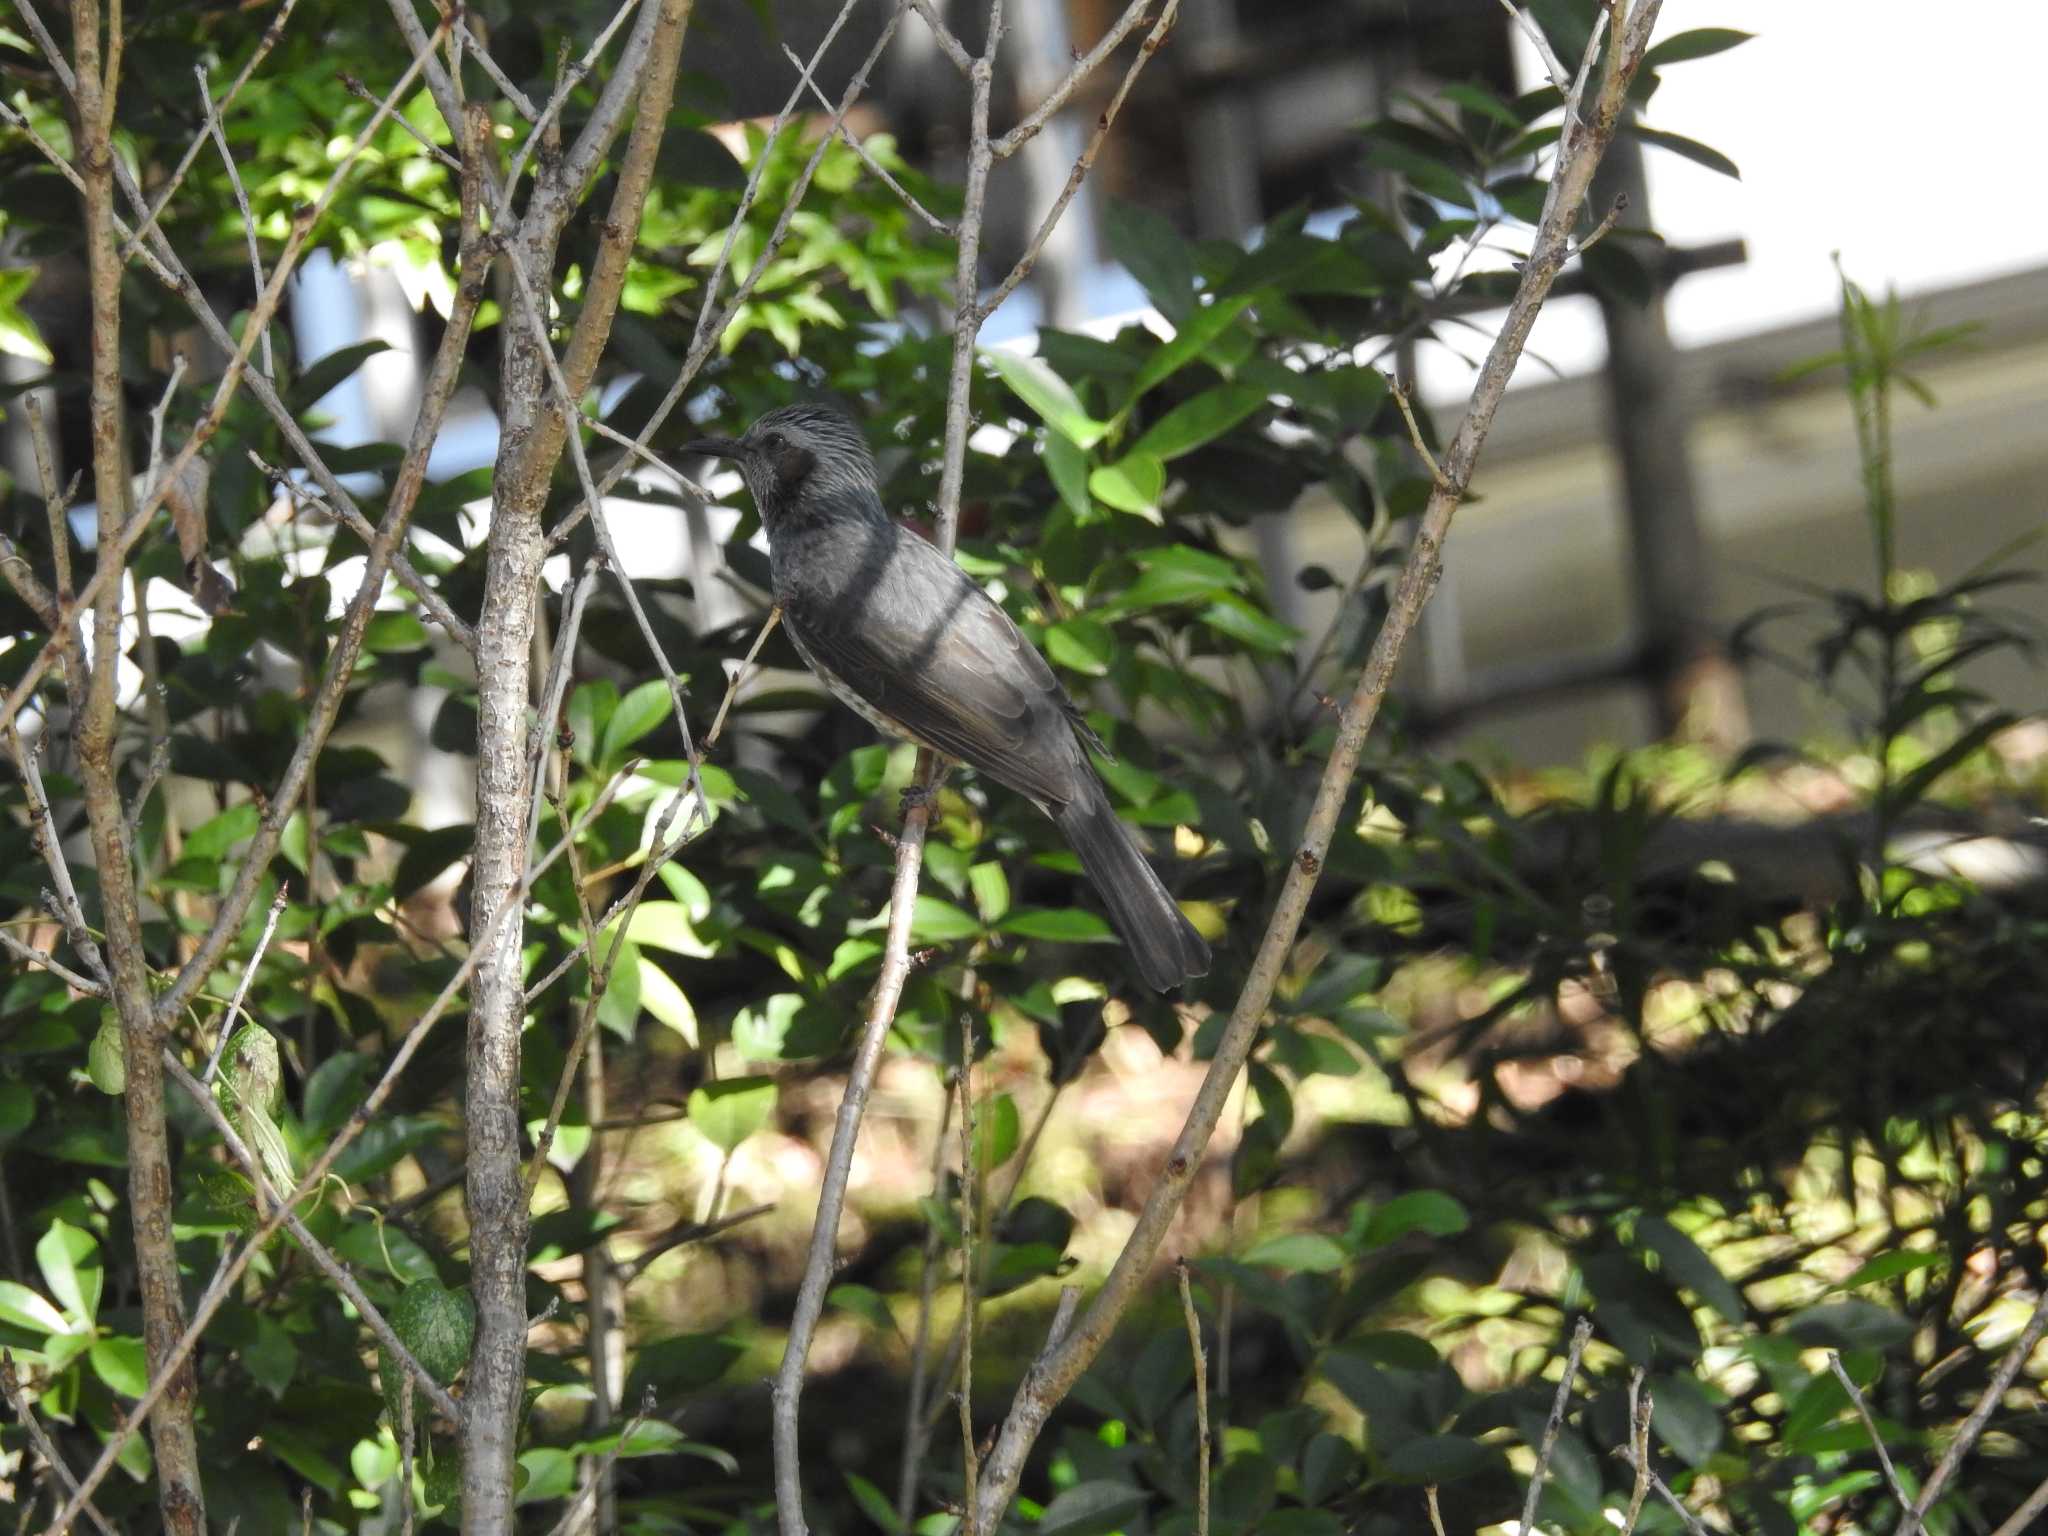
(714, 448)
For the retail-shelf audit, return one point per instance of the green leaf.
(1190, 341)
(1083, 645)
(865, 1303)
(1174, 574)
(1067, 464)
(1132, 484)
(1199, 420)
(17, 1110)
(1700, 43)
(940, 922)
(730, 1111)
(25, 1309)
(1889, 1266)
(1685, 1417)
(1299, 1252)
(1032, 380)
(309, 387)
(660, 996)
(1420, 1210)
(874, 1504)
(1064, 925)
(997, 1129)
(991, 888)
(1440, 1459)
(1690, 149)
(69, 1258)
(106, 1059)
(211, 839)
(638, 713)
(1687, 1263)
(1235, 616)
(1092, 1509)
(1152, 250)
(122, 1364)
(438, 1326)
(18, 334)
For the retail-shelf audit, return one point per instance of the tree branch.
(1053, 1376)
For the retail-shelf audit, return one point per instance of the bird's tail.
(1163, 942)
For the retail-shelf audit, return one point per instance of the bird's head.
(796, 455)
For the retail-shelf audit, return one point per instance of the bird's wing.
(909, 632)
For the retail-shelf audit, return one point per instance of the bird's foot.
(915, 795)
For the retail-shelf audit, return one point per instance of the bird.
(906, 639)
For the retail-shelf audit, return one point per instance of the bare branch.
(1973, 1427)
(467, 34)
(1052, 1377)
(682, 1234)
(949, 44)
(24, 1410)
(817, 1274)
(30, 955)
(227, 1020)
(1187, 1312)
(1079, 173)
(1552, 64)
(1057, 98)
(914, 1436)
(970, 1216)
(268, 41)
(1884, 1457)
(2022, 1519)
(1580, 1334)
(1640, 1407)
(227, 157)
(880, 172)
(317, 1251)
(49, 843)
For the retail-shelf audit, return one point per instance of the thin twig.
(227, 1020)
(713, 317)
(1582, 1332)
(465, 32)
(10, 1385)
(1436, 1515)
(584, 1494)
(880, 171)
(1436, 473)
(1973, 1427)
(50, 844)
(405, 1439)
(1600, 230)
(1086, 159)
(54, 966)
(949, 43)
(1057, 98)
(227, 156)
(1052, 1376)
(739, 675)
(1552, 64)
(1884, 1457)
(268, 41)
(1187, 1311)
(682, 1234)
(1640, 1407)
(969, 1217)
(321, 1255)
(914, 1436)
(2022, 1519)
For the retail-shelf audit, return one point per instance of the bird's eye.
(772, 442)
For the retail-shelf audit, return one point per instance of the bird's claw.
(915, 795)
